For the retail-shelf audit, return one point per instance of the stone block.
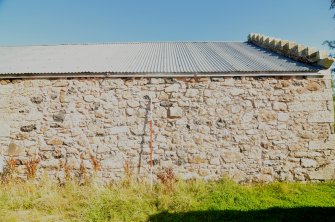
(109, 97)
(172, 88)
(163, 96)
(321, 117)
(103, 149)
(133, 103)
(160, 139)
(269, 163)
(323, 173)
(60, 116)
(197, 160)
(305, 134)
(236, 91)
(183, 103)
(306, 106)
(210, 102)
(283, 117)
(231, 156)
(295, 147)
(60, 83)
(175, 112)
(235, 109)
(89, 98)
(308, 163)
(155, 81)
(267, 170)
(266, 116)
(313, 86)
(4, 127)
(273, 135)
(130, 111)
(15, 150)
(189, 176)
(279, 106)
(125, 144)
(5, 90)
(166, 164)
(160, 112)
(191, 93)
(208, 93)
(248, 117)
(5, 102)
(55, 141)
(118, 130)
(215, 161)
(51, 164)
(263, 178)
(323, 145)
(315, 96)
(112, 163)
(34, 115)
(36, 99)
(28, 128)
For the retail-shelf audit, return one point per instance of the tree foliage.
(331, 43)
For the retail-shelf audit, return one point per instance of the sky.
(36, 22)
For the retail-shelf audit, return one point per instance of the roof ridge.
(292, 50)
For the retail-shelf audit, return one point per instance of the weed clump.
(10, 171)
(96, 164)
(128, 172)
(31, 167)
(167, 178)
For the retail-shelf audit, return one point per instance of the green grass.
(188, 201)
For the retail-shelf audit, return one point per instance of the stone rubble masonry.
(248, 128)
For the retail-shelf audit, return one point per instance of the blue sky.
(30, 22)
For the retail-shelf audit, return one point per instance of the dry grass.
(31, 167)
(96, 164)
(167, 178)
(128, 172)
(47, 201)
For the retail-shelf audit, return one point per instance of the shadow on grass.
(322, 214)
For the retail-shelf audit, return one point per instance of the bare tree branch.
(331, 44)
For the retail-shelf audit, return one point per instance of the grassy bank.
(184, 201)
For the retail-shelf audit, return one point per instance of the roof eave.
(317, 73)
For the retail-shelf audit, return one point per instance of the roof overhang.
(320, 73)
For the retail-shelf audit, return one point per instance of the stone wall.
(249, 128)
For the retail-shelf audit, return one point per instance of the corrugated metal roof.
(150, 57)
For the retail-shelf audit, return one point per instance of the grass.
(186, 201)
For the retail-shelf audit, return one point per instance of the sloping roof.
(147, 58)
